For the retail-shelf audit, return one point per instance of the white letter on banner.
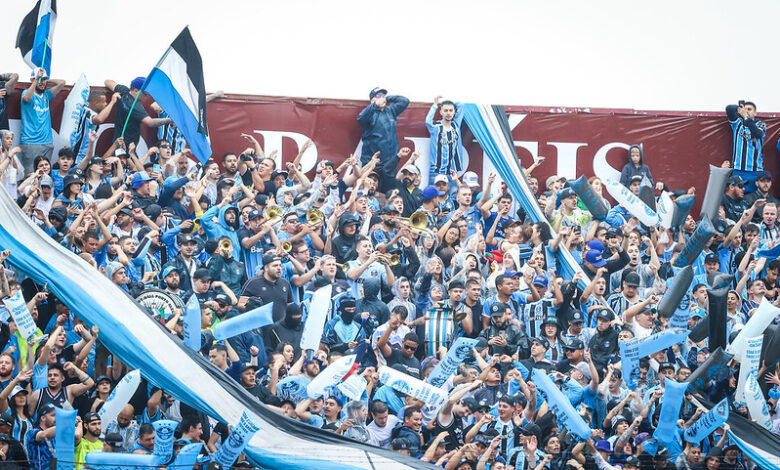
(353, 387)
(330, 376)
(760, 320)
(447, 366)
(17, 307)
(408, 385)
(708, 422)
(315, 321)
(601, 167)
(272, 140)
(749, 364)
(567, 158)
(237, 441)
(560, 405)
(119, 397)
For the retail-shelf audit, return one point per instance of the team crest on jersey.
(606, 344)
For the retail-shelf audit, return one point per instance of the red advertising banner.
(677, 146)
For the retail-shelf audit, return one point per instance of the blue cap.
(254, 213)
(540, 280)
(170, 180)
(140, 178)
(431, 192)
(698, 312)
(596, 245)
(138, 83)
(511, 273)
(169, 270)
(594, 257)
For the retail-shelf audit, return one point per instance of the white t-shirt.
(380, 437)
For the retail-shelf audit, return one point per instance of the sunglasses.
(410, 348)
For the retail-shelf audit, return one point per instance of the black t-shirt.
(411, 364)
(125, 104)
(280, 293)
(3, 109)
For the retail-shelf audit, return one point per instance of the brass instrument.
(314, 217)
(286, 247)
(341, 266)
(390, 260)
(417, 222)
(272, 214)
(226, 246)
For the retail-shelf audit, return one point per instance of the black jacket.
(516, 339)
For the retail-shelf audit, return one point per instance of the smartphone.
(156, 168)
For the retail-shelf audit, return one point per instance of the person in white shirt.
(382, 426)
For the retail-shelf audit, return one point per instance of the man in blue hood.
(226, 225)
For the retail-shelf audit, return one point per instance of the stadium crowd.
(412, 269)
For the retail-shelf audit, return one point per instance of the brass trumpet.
(341, 266)
(314, 217)
(273, 214)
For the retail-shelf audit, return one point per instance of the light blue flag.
(650, 446)
(65, 440)
(239, 438)
(293, 387)
(708, 422)
(121, 461)
(459, 351)
(257, 318)
(163, 438)
(514, 387)
(187, 457)
(633, 350)
(192, 322)
(560, 405)
(674, 392)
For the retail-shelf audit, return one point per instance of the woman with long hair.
(13, 401)
(14, 170)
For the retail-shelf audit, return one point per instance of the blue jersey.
(747, 149)
(36, 120)
(170, 133)
(446, 144)
(532, 315)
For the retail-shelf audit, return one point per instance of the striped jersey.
(747, 150)
(446, 145)
(532, 315)
(79, 139)
(170, 133)
(619, 303)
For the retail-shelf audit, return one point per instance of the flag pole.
(43, 62)
(129, 112)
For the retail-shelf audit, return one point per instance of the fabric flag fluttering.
(177, 85)
(35, 35)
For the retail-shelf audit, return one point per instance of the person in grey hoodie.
(635, 167)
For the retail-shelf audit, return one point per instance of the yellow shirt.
(84, 448)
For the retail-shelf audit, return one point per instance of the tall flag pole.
(176, 83)
(35, 35)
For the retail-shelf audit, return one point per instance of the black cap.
(388, 209)
(45, 409)
(614, 232)
(248, 365)
(764, 175)
(576, 317)
(636, 178)
(566, 192)
(632, 279)
(471, 403)
(6, 420)
(605, 315)
(531, 429)
(277, 173)
(737, 180)
(712, 258)
(498, 309)
(542, 341)
(222, 299)
(91, 416)
(401, 443)
(202, 274)
(574, 344)
(269, 258)
(632, 461)
(665, 365)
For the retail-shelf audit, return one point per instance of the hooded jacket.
(630, 170)
(286, 330)
(221, 228)
(602, 345)
(371, 303)
(344, 246)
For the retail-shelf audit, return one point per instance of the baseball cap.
(269, 258)
(126, 211)
(596, 245)
(202, 274)
(34, 72)
(168, 270)
(441, 179)
(594, 257)
(45, 409)
(46, 181)
(604, 446)
(636, 178)
(712, 258)
(401, 443)
(91, 417)
(103, 378)
(248, 365)
(542, 341)
(540, 280)
(431, 192)
(574, 344)
(411, 169)
(665, 365)
(632, 279)
(140, 178)
(16, 390)
(552, 179)
(511, 273)
(614, 232)
(531, 429)
(184, 238)
(698, 312)
(631, 461)
(764, 175)
(605, 315)
(222, 299)
(737, 180)
(375, 92)
(471, 179)
(388, 209)
(498, 309)
(6, 420)
(254, 213)
(576, 317)
(566, 192)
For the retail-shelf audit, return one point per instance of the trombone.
(286, 247)
(390, 260)
(314, 217)
(272, 214)
(417, 222)
(341, 266)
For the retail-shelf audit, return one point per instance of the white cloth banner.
(408, 385)
(330, 376)
(632, 203)
(353, 387)
(763, 316)
(756, 404)
(315, 321)
(71, 110)
(119, 397)
(17, 307)
(449, 364)
(749, 364)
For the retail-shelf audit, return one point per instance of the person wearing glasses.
(404, 356)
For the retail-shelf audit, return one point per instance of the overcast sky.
(663, 55)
